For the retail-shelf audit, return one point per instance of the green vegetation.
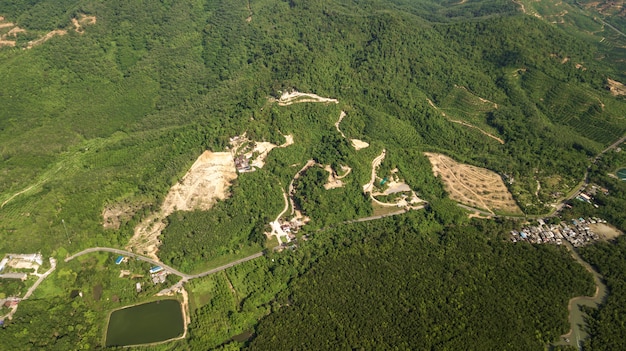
(461, 286)
(195, 241)
(606, 324)
(117, 114)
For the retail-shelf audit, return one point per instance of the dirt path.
(308, 164)
(521, 5)
(17, 194)
(369, 187)
(432, 104)
(285, 209)
(482, 131)
(249, 18)
(341, 117)
(538, 188)
(83, 20)
(356, 143)
(185, 307)
(33, 43)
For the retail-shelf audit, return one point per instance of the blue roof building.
(119, 259)
(156, 269)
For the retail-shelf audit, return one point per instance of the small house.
(156, 269)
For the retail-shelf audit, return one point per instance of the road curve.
(167, 268)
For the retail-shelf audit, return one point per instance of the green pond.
(147, 323)
(621, 174)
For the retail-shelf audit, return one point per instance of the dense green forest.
(118, 112)
(606, 324)
(399, 287)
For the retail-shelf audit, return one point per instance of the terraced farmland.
(582, 110)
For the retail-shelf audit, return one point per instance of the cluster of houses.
(578, 233)
(19, 262)
(285, 230)
(157, 273)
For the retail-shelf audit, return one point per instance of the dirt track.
(45, 38)
(473, 186)
(296, 97)
(432, 104)
(83, 20)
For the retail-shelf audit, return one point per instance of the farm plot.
(473, 186)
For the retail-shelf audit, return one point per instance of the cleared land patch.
(114, 215)
(207, 181)
(334, 180)
(46, 37)
(82, 21)
(616, 88)
(295, 97)
(473, 186)
(605, 231)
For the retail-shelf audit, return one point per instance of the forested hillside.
(106, 105)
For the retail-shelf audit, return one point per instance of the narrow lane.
(186, 277)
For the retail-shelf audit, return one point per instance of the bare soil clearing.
(334, 181)
(10, 43)
(289, 98)
(114, 215)
(12, 32)
(207, 181)
(605, 231)
(473, 186)
(359, 144)
(616, 88)
(82, 21)
(255, 151)
(356, 143)
(395, 185)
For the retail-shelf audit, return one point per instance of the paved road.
(53, 264)
(226, 266)
(612, 146)
(30, 291)
(167, 268)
